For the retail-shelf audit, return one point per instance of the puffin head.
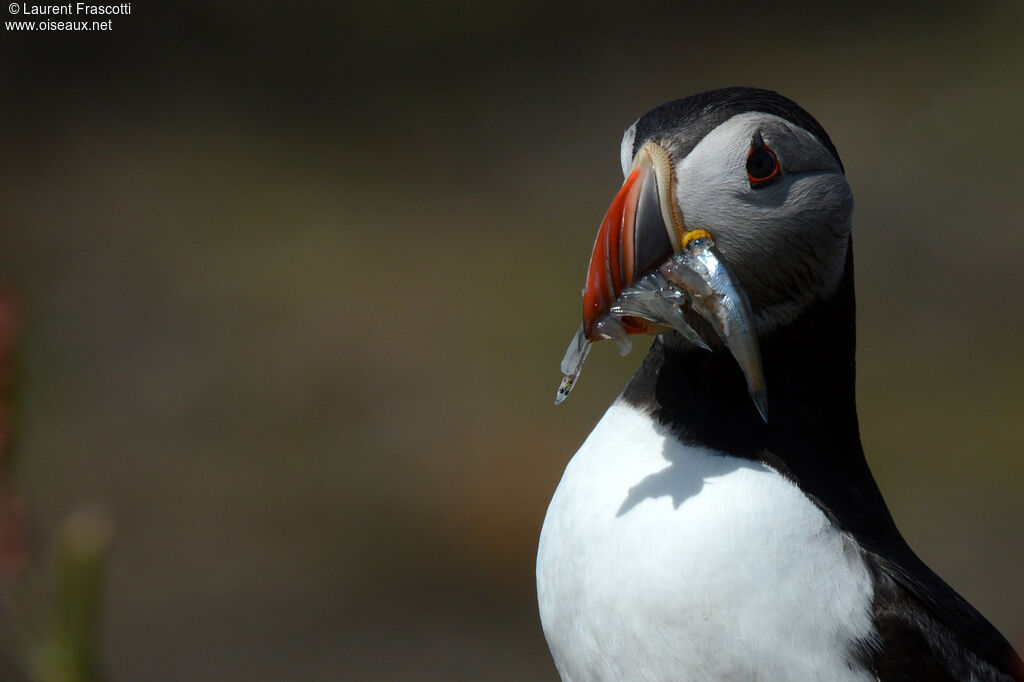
(734, 216)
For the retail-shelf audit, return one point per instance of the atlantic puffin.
(721, 521)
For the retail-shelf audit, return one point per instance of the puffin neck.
(809, 366)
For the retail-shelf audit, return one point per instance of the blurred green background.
(297, 279)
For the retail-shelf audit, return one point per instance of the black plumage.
(689, 119)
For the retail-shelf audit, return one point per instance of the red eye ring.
(762, 165)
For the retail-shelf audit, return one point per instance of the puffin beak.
(637, 234)
(647, 267)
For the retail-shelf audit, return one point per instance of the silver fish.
(695, 278)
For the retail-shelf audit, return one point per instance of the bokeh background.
(295, 280)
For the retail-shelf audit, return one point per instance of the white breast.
(660, 561)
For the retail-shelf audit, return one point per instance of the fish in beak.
(647, 269)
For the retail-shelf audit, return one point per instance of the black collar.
(811, 436)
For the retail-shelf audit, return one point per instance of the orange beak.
(640, 230)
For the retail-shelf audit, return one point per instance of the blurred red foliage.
(14, 521)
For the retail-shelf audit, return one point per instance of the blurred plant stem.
(68, 652)
(65, 650)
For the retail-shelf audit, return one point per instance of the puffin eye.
(762, 164)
